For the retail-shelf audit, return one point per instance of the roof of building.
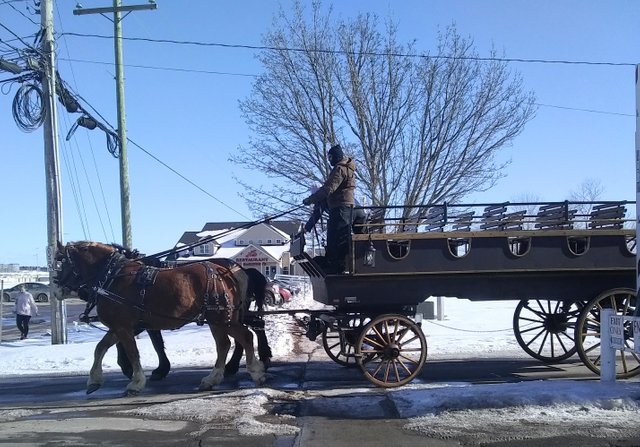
(229, 232)
(288, 227)
(188, 237)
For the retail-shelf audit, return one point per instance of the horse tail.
(257, 286)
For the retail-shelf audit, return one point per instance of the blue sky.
(188, 117)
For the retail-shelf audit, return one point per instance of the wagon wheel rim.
(545, 329)
(391, 350)
(623, 301)
(339, 340)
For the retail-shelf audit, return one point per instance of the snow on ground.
(456, 409)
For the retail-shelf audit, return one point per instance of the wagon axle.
(391, 351)
(556, 323)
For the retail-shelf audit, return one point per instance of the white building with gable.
(264, 246)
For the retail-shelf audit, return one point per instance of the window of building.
(278, 241)
(240, 241)
(204, 249)
(269, 241)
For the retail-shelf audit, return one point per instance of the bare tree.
(423, 128)
(590, 190)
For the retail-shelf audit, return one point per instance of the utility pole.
(117, 9)
(52, 170)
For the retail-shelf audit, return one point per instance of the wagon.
(561, 263)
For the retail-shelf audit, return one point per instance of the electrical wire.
(185, 178)
(21, 13)
(363, 53)
(152, 67)
(28, 107)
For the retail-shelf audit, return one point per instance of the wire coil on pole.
(28, 107)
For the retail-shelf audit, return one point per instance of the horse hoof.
(131, 393)
(228, 372)
(155, 377)
(91, 388)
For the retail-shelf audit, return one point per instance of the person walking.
(25, 308)
(339, 191)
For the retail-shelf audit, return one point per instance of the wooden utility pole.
(117, 10)
(52, 170)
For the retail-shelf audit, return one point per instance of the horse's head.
(82, 264)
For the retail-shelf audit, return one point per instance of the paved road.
(328, 405)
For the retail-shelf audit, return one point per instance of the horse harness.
(215, 298)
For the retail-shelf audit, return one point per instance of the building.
(9, 268)
(264, 246)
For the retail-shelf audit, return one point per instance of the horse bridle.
(75, 280)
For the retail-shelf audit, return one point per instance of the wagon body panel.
(490, 271)
(492, 254)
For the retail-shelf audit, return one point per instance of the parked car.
(279, 289)
(272, 298)
(39, 291)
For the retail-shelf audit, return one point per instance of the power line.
(302, 50)
(185, 178)
(22, 13)
(586, 110)
(105, 127)
(98, 177)
(222, 73)
(151, 67)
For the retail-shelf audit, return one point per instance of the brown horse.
(129, 294)
(257, 288)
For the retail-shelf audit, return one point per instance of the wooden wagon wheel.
(391, 350)
(623, 301)
(545, 329)
(339, 340)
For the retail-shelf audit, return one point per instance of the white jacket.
(25, 305)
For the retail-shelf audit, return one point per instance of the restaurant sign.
(252, 256)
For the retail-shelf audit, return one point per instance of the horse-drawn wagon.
(561, 262)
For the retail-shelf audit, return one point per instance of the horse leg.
(233, 365)
(95, 374)
(244, 337)
(138, 380)
(164, 366)
(222, 348)
(264, 350)
(123, 361)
